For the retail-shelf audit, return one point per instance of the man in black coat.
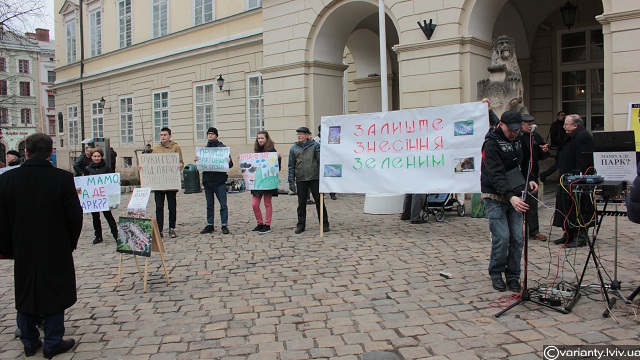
(576, 157)
(557, 136)
(534, 149)
(81, 163)
(44, 272)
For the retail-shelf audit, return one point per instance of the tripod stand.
(526, 295)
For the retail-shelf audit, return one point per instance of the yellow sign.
(634, 122)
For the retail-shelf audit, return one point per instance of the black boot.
(562, 240)
(97, 240)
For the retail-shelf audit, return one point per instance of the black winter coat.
(40, 223)
(576, 156)
(98, 168)
(633, 200)
(534, 150)
(499, 155)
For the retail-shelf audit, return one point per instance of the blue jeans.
(506, 225)
(53, 326)
(220, 191)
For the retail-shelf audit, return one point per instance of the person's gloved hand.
(292, 187)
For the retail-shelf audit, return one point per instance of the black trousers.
(304, 188)
(171, 203)
(97, 226)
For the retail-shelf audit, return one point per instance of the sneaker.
(257, 228)
(207, 229)
(62, 347)
(514, 285)
(225, 230)
(299, 229)
(97, 240)
(333, 196)
(172, 233)
(265, 229)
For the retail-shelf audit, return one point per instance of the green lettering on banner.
(358, 165)
(370, 163)
(435, 162)
(91, 181)
(397, 163)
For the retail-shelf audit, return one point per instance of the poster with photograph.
(260, 171)
(134, 236)
(213, 158)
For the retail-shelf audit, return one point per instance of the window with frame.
(127, 162)
(23, 66)
(124, 23)
(160, 112)
(72, 120)
(52, 125)
(160, 17)
(203, 11)
(4, 115)
(51, 76)
(204, 109)
(256, 105)
(97, 120)
(51, 101)
(95, 29)
(582, 75)
(25, 116)
(3, 64)
(70, 31)
(60, 123)
(25, 88)
(252, 4)
(126, 120)
(4, 87)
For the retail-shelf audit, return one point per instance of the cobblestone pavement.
(370, 288)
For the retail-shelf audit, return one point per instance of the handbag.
(515, 178)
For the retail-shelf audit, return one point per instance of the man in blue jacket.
(304, 174)
(215, 183)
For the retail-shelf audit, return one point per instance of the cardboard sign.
(429, 150)
(160, 171)
(213, 158)
(137, 207)
(98, 192)
(260, 171)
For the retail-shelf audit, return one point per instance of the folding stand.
(526, 296)
(592, 254)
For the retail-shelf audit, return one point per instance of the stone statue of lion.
(504, 56)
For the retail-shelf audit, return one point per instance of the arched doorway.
(344, 49)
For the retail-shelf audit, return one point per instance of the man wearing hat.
(534, 149)
(501, 183)
(13, 158)
(304, 174)
(215, 183)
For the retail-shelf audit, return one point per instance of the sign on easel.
(140, 237)
(137, 207)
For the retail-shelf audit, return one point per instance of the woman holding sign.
(98, 167)
(264, 144)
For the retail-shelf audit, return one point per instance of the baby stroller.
(437, 204)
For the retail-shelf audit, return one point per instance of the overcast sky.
(47, 22)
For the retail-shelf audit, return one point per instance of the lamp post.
(568, 12)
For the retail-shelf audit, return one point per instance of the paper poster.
(160, 171)
(137, 207)
(213, 158)
(260, 171)
(616, 165)
(98, 192)
(634, 122)
(428, 150)
(134, 236)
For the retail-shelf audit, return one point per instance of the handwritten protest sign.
(213, 158)
(98, 192)
(260, 171)
(160, 171)
(137, 207)
(429, 150)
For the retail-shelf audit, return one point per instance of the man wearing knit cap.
(304, 174)
(215, 183)
(502, 183)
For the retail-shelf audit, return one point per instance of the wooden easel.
(157, 246)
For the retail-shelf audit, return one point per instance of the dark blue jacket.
(215, 178)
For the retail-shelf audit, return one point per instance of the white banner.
(137, 207)
(98, 192)
(213, 158)
(160, 171)
(429, 150)
(260, 171)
